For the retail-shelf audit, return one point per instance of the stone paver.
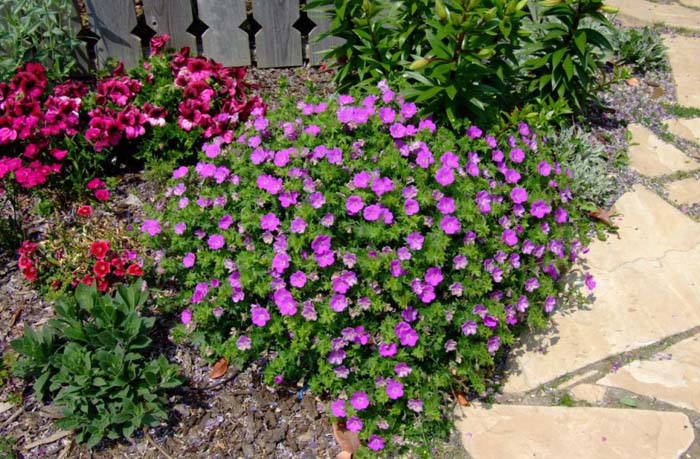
(683, 54)
(648, 289)
(691, 3)
(639, 12)
(590, 393)
(686, 191)
(672, 376)
(510, 431)
(653, 157)
(688, 129)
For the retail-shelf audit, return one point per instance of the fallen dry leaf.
(632, 82)
(461, 399)
(343, 455)
(219, 369)
(347, 440)
(603, 216)
(657, 92)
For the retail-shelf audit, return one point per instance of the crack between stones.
(639, 259)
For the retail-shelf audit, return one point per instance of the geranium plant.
(367, 253)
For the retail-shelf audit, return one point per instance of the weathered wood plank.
(80, 52)
(322, 18)
(113, 22)
(172, 17)
(277, 44)
(224, 40)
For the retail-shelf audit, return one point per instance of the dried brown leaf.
(347, 440)
(632, 82)
(603, 216)
(461, 399)
(219, 369)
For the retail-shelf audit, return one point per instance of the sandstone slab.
(590, 393)
(653, 157)
(672, 376)
(641, 12)
(648, 228)
(686, 191)
(648, 289)
(687, 128)
(691, 3)
(511, 431)
(683, 54)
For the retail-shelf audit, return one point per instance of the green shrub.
(92, 360)
(643, 49)
(472, 58)
(362, 251)
(37, 31)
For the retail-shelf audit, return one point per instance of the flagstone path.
(620, 377)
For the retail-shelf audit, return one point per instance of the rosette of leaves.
(92, 361)
(642, 48)
(360, 249)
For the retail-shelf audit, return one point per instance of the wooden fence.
(264, 33)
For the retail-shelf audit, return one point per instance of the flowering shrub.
(367, 253)
(84, 249)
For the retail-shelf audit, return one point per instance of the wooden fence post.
(323, 20)
(278, 43)
(113, 22)
(224, 40)
(172, 17)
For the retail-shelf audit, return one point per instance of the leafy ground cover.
(315, 259)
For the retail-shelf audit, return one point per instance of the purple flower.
(415, 404)
(375, 443)
(387, 350)
(325, 259)
(338, 303)
(415, 241)
(338, 408)
(402, 370)
(362, 179)
(446, 205)
(280, 262)
(493, 344)
(394, 389)
(544, 169)
(409, 314)
(549, 303)
(180, 172)
(359, 401)
(397, 130)
(518, 195)
(411, 207)
(353, 424)
(433, 276)
(539, 209)
(243, 343)
(382, 185)
(512, 176)
(216, 241)
(483, 201)
(298, 279)
(517, 155)
(469, 328)
(490, 321)
(531, 284)
(354, 204)
(560, 215)
(321, 244)
(372, 213)
(450, 225)
(269, 222)
(410, 192)
(298, 225)
(387, 115)
(509, 238)
(444, 176)
(589, 281)
(217, 312)
(188, 260)
(186, 316)
(317, 200)
(406, 334)
(285, 302)
(259, 315)
(152, 227)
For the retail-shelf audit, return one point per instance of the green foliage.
(642, 49)
(568, 49)
(91, 359)
(680, 111)
(472, 58)
(7, 450)
(592, 167)
(37, 31)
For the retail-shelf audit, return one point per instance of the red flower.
(27, 248)
(102, 195)
(101, 268)
(102, 285)
(85, 210)
(24, 262)
(134, 270)
(56, 284)
(158, 43)
(30, 273)
(95, 184)
(99, 249)
(87, 280)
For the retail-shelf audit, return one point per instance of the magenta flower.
(259, 315)
(317, 200)
(298, 279)
(411, 207)
(509, 238)
(433, 276)
(372, 213)
(387, 115)
(354, 204)
(321, 244)
(460, 262)
(415, 241)
(517, 155)
(180, 172)
(298, 225)
(285, 302)
(280, 262)
(325, 259)
(446, 205)
(549, 304)
(518, 195)
(512, 176)
(474, 132)
(152, 227)
(561, 215)
(353, 424)
(188, 260)
(590, 282)
(359, 401)
(338, 408)
(450, 225)
(361, 179)
(539, 209)
(375, 443)
(216, 241)
(338, 303)
(269, 222)
(387, 350)
(469, 328)
(406, 334)
(444, 176)
(415, 404)
(402, 369)
(382, 185)
(394, 389)
(186, 316)
(544, 169)
(243, 343)
(225, 222)
(493, 344)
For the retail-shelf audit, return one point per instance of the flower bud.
(419, 64)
